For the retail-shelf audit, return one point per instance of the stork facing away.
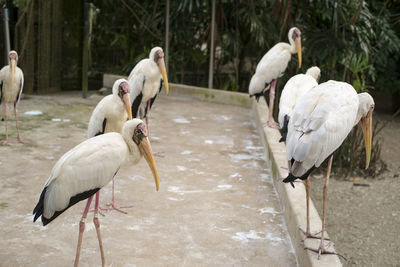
(321, 120)
(11, 85)
(81, 172)
(109, 115)
(145, 83)
(271, 67)
(294, 88)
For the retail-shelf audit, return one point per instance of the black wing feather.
(38, 211)
(284, 129)
(136, 105)
(1, 91)
(104, 127)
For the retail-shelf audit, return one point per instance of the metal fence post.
(211, 69)
(6, 33)
(87, 32)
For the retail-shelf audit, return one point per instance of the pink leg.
(114, 206)
(321, 249)
(97, 225)
(147, 114)
(6, 121)
(16, 122)
(308, 233)
(271, 122)
(81, 230)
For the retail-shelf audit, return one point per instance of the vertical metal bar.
(87, 17)
(167, 35)
(6, 33)
(211, 69)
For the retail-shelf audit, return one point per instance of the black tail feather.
(291, 178)
(257, 96)
(38, 210)
(284, 129)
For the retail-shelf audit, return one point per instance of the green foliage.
(355, 41)
(350, 156)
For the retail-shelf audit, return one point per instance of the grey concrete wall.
(199, 93)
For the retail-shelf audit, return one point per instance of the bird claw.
(113, 206)
(272, 124)
(321, 250)
(6, 141)
(20, 140)
(310, 235)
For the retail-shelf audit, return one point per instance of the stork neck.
(134, 152)
(292, 46)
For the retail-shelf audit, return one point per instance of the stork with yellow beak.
(81, 172)
(145, 83)
(109, 115)
(321, 120)
(271, 67)
(11, 85)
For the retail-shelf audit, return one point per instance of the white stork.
(294, 88)
(271, 67)
(110, 114)
(11, 85)
(145, 82)
(85, 169)
(321, 120)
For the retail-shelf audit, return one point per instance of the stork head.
(295, 36)
(314, 72)
(13, 56)
(365, 109)
(138, 132)
(121, 89)
(157, 54)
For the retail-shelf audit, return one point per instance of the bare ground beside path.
(364, 221)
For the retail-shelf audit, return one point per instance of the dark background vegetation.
(354, 41)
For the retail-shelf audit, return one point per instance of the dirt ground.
(364, 221)
(216, 206)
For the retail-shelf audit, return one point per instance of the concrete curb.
(292, 200)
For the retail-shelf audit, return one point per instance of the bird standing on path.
(294, 88)
(85, 169)
(109, 115)
(321, 120)
(11, 85)
(271, 67)
(145, 83)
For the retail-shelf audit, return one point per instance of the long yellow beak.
(163, 71)
(13, 63)
(145, 148)
(127, 102)
(298, 49)
(366, 125)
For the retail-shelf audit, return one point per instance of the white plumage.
(272, 66)
(85, 169)
(90, 165)
(294, 88)
(11, 86)
(321, 120)
(112, 109)
(145, 81)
